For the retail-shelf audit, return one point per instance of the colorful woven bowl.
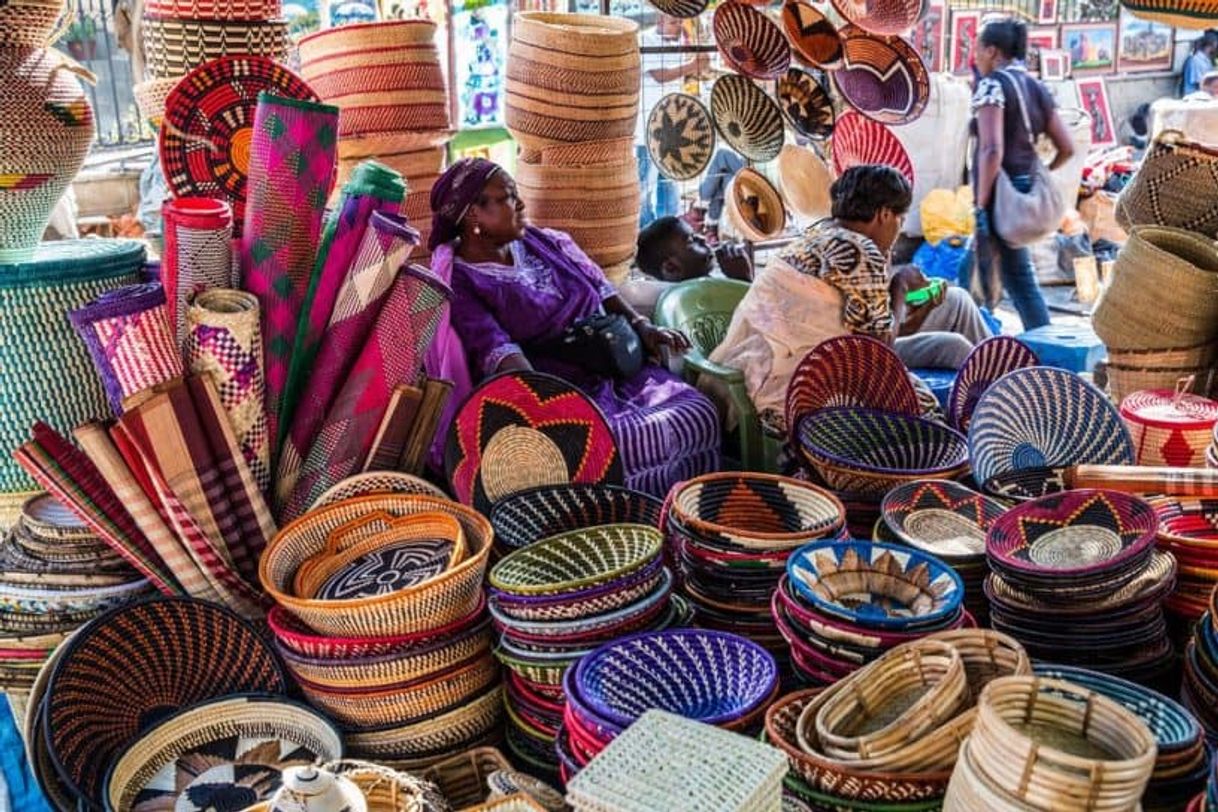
(1169, 427)
(988, 361)
(747, 118)
(680, 136)
(941, 517)
(855, 371)
(1077, 533)
(884, 78)
(709, 676)
(806, 103)
(813, 38)
(885, 18)
(870, 451)
(754, 207)
(750, 41)
(173, 46)
(538, 513)
(755, 511)
(858, 140)
(577, 560)
(1043, 417)
(132, 667)
(520, 430)
(875, 584)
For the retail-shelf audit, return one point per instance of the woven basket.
(577, 560)
(388, 790)
(436, 602)
(1195, 369)
(1169, 428)
(214, 9)
(1175, 269)
(756, 511)
(29, 22)
(538, 513)
(754, 206)
(150, 96)
(440, 735)
(174, 47)
(48, 126)
(1194, 14)
(462, 778)
(1172, 187)
(987, 655)
(571, 78)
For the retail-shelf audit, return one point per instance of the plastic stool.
(940, 382)
(1071, 347)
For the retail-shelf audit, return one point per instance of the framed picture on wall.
(1046, 12)
(1144, 45)
(1040, 39)
(927, 37)
(1054, 65)
(1092, 47)
(965, 25)
(1093, 97)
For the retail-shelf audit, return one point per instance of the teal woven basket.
(45, 371)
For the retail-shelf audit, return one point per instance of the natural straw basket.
(436, 602)
(374, 482)
(1173, 270)
(174, 47)
(1173, 187)
(462, 778)
(987, 655)
(1132, 371)
(30, 22)
(388, 790)
(435, 736)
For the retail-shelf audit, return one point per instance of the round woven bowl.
(174, 47)
(869, 451)
(581, 604)
(200, 727)
(713, 677)
(873, 584)
(813, 38)
(747, 118)
(754, 206)
(538, 513)
(374, 482)
(941, 517)
(756, 511)
(437, 602)
(883, 77)
(805, 180)
(859, 140)
(680, 136)
(587, 620)
(750, 41)
(1077, 533)
(442, 735)
(988, 361)
(806, 104)
(576, 560)
(886, 18)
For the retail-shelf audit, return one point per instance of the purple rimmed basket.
(986, 363)
(584, 623)
(533, 607)
(713, 677)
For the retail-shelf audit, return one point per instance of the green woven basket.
(579, 559)
(45, 371)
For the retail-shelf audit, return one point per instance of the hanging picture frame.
(1054, 66)
(1039, 40)
(927, 37)
(965, 26)
(1093, 97)
(1145, 45)
(1092, 47)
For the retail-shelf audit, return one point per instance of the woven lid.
(884, 78)
(680, 136)
(750, 41)
(1169, 409)
(747, 118)
(71, 261)
(813, 38)
(858, 140)
(805, 179)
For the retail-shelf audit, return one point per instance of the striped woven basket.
(175, 46)
(150, 96)
(214, 9)
(1134, 371)
(29, 22)
(571, 78)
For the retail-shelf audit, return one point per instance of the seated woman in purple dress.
(516, 287)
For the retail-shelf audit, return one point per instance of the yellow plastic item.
(946, 213)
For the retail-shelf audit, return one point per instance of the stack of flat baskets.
(572, 104)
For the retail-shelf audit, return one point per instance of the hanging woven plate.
(525, 429)
(1040, 420)
(133, 667)
(747, 118)
(858, 140)
(750, 41)
(884, 78)
(855, 371)
(813, 38)
(882, 17)
(680, 136)
(207, 131)
(805, 103)
(989, 361)
(754, 206)
(681, 9)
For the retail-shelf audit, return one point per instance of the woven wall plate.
(754, 206)
(1045, 418)
(521, 430)
(806, 104)
(747, 118)
(989, 361)
(805, 178)
(882, 17)
(750, 41)
(941, 517)
(220, 754)
(883, 78)
(850, 371)
(682, 9)
(132, 667)
(208, 127)
(813, 38)
(858, 140)
(538, 513)
(680, 136)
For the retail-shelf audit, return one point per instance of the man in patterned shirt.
(835, 280)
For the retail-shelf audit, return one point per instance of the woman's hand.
(656, 338)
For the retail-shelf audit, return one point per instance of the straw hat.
(754, 206)
(805, 179)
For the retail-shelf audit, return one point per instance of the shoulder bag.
(1022, 218)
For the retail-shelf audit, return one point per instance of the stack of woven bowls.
(55, 575)
(731, 535)
(387, 82)
(1178, 270)
(1182, 764)
(558, 599)
(949, 521)
(1045, 744)
(1170, 427)
(713, 677)
(550, 510)
(1200, 689)
(1188, 529)
(843, 604)
(1077, 580)
(381, 621)
(572, 104)
(180, 35)
(888, 736)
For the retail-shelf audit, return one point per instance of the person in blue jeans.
(1003, 144)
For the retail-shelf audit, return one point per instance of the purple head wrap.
(454, 193)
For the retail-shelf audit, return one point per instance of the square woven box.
(666, 763)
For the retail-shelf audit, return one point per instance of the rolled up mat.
(198, 255)
(224, 340)
(292, 159)
(372, 188)
(382, 252)
(392, 355)
(130, 340)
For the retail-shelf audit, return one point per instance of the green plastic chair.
(702, 309)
